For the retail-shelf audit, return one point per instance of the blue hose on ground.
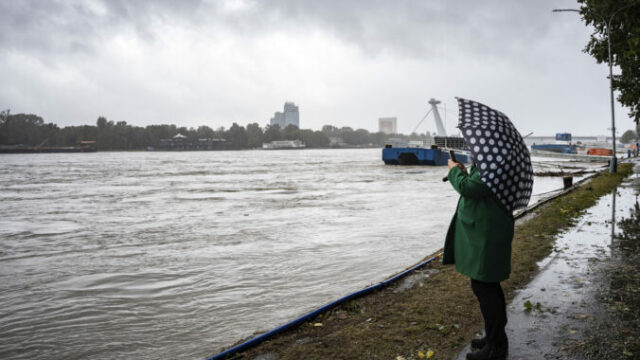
(304, 318)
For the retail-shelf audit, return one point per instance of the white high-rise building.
(388, 125)
(290, 116)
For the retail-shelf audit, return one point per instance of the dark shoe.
(490, 352)
(478, 343)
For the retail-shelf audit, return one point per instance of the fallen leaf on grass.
(528, 305)
(400, 357)
(430, 354)
(627, 353)
(317, 324)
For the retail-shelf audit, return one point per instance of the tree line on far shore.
(31, 130)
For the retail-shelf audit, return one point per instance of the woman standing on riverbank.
(479, 244)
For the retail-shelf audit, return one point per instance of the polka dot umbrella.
(499, 152)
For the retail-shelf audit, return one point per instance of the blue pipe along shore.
(304, 318)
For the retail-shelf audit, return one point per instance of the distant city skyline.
(290, 115)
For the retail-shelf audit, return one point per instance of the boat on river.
(564, 149)
(436, 154)
(430, 152)
(562, 145)
(283, 144)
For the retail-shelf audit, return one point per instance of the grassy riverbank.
(438, 316)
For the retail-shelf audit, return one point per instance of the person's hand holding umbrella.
(455, 163)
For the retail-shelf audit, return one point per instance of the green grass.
(442, 315)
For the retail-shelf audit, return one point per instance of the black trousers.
(494, 310)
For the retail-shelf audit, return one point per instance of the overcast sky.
(345, 63)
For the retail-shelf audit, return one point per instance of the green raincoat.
(479, 238)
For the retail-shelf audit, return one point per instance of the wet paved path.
(562, 298)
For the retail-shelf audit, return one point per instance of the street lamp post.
(613, 165)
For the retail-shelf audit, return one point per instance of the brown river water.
(177, 254)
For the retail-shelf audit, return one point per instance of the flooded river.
(176, 254)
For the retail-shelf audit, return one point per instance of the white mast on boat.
(441, 130)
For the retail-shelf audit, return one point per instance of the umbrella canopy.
(499, 152)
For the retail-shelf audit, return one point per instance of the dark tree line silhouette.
(31, 130)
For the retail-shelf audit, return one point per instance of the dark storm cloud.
(422, 28)
(415, 28)
(201, 60)
(71, 26)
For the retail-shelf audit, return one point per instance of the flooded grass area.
(438, 315)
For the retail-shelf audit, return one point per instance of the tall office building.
(290, 116)
(388, 125)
